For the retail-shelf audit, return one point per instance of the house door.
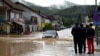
(1, 24)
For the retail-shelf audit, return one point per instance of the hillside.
(71, 15)
(47, 10)
(69, 11)
(74, 11)
(66, 10)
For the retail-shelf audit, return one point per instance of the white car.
(50, 34)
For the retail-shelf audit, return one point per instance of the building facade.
(8, 12)
(32, 18)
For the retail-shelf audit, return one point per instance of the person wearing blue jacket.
(90, 32)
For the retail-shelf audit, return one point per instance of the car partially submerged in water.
(50, 34)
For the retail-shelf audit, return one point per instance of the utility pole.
(84, 13)
(96, 26)
(96, 5)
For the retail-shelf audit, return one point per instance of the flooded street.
(41, 47)
(35, 45)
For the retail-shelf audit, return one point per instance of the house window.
(34, 20)
(17, 15)
(8, 15)
(12, 15)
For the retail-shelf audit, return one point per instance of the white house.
(32, 18)
(56, 21)
(45, 19)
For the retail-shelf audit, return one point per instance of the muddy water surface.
(39, 47)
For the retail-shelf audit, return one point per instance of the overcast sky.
(51, 2)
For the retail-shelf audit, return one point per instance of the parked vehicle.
(62, 27)
(50, 34)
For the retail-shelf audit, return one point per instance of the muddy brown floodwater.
(15, 48)
(39, 47)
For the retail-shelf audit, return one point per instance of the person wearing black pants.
(83, 38)
(75, 44)
(76, 32)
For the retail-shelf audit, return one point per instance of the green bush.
(48, 27)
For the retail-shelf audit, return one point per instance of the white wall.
(14, 15)
(47, 21)
(28, 13)
(39, 19)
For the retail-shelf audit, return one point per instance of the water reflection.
(43, 47)
(4, 48)
(8, 48)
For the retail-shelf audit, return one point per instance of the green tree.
(48, 26)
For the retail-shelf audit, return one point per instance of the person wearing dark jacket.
(76, 32)
(90, 39)
(83, 38)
